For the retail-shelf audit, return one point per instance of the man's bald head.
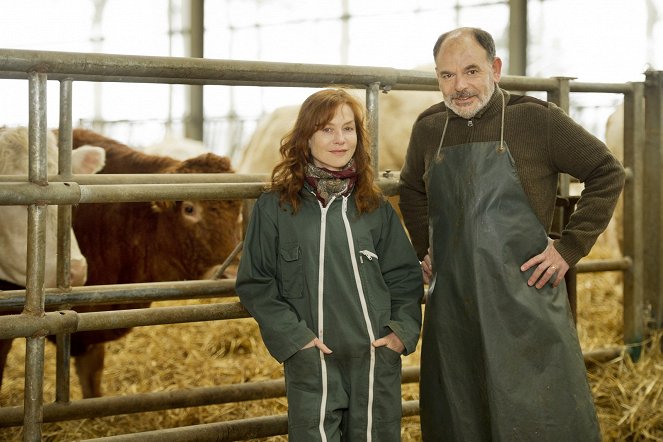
(482, 37)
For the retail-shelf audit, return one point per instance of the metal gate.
(642, 283)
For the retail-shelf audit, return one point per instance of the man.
(500, 357)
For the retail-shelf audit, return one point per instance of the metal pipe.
(195, 108)
(13, 300)
(64, 131)
(108, 320)
(519, 83)
(229, 259)
(165, 400)
(37, 164)
(64, 170)
(144, 402)
(37, 154)
(19, 193)
(177, 290)
(63, 348)
(16, 194)
(25, 325)
(68, 321)
(63, 265)
(372, 123)
(36, 258)
(37, 174)
(150, 178)
(606, 88)
(241, 429)
(147, 192)
(634, 231)
(62, 368)
(518, 37)
(33, 400)
(133, 68)
(604, 265)
(653, 190)
(71, 193)
(180, 70)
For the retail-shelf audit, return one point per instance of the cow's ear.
(88, 159)
(162, 206)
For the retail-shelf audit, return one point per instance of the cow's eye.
(188, 208)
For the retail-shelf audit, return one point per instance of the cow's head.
(201, 234)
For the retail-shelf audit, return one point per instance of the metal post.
(560, 96)
(34, 299)
(64, 170)
(194, 121)
(36, 258)
(33, 401)
(372, 115)
(62, 371)
(653, 210)
(345, 31)
(518, 37)
(633, 225)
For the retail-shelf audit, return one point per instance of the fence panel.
(37, 189)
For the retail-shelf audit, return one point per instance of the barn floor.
(628, 396)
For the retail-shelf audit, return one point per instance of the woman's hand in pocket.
(391, 341)
(318, 343)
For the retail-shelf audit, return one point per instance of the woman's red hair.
(314, 114)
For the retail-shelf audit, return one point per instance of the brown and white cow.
(14, 219)
(147, 242)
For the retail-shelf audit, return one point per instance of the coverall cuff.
(399, 330)
(293, 344)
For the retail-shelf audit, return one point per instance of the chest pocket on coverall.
(371, 276)
(291, 270)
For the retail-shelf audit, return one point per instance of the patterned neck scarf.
(327, 184)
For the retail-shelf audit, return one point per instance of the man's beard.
(469, 113)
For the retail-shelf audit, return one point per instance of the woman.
(332, 280)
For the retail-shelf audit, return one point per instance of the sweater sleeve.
(413, 201)
(578, 153)
(282, 331)
(402, 275)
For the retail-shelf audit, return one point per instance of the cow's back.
(120, 158)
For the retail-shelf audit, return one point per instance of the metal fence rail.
(37, 189)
